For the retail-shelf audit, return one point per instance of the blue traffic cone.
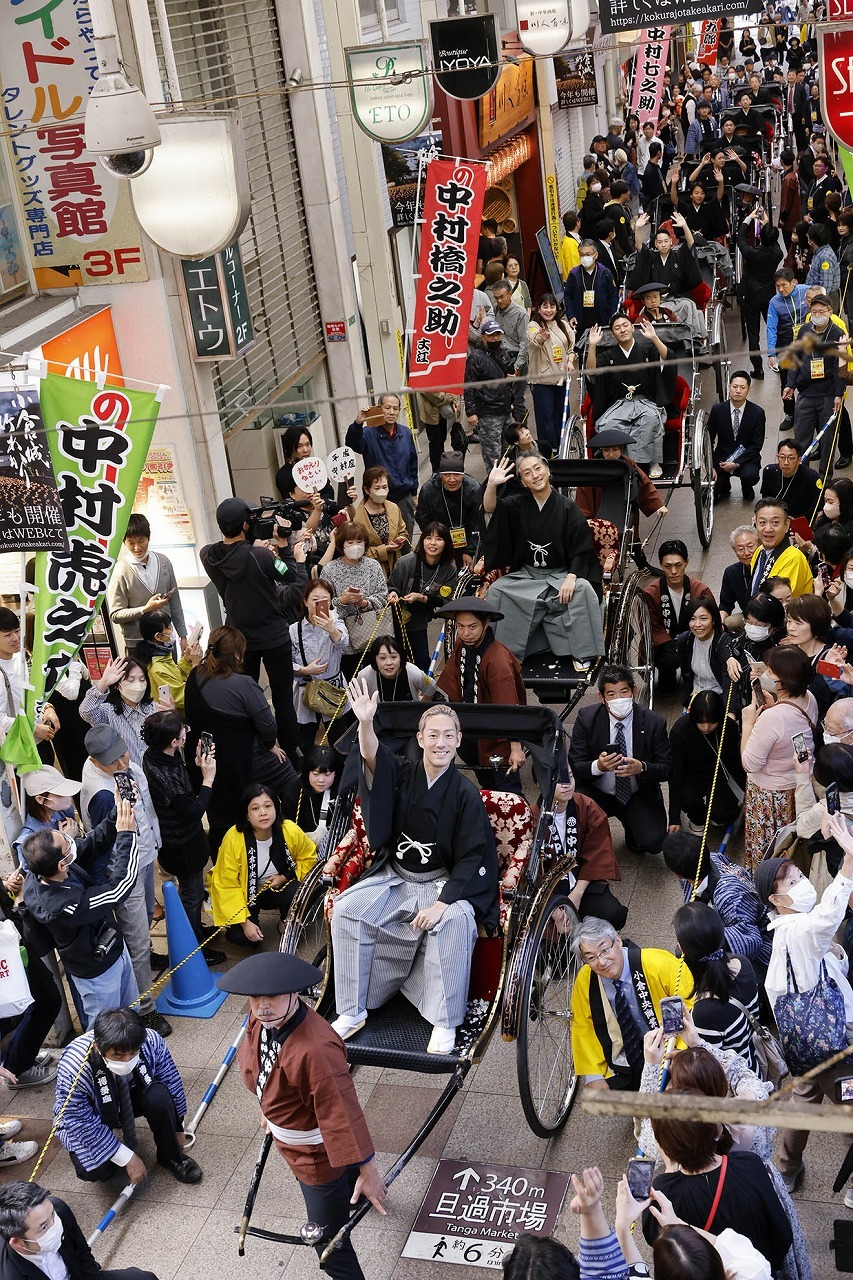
(191, 992)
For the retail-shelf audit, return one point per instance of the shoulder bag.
(812, 1024)
(324, 697)
(768, 1051)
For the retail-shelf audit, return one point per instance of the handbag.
(360, 627)
(321, 696)
(14, 989)
(812, 1024)
(768, 1051)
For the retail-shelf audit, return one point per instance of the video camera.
(271, 512)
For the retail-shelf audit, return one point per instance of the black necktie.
(632, 1040)
(623, 785)
(127, 1119)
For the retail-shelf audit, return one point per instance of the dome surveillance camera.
(121, 128)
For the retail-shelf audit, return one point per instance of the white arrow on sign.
(466, 1176)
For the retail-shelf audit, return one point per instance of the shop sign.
(88, 350)
(649, 69)
(835, 53)
(336, 331)
(544, 26)
(840, 10)
(391, 89)
(635, 15)
(98, 442)
(508, 104)
(473, 1214)
(74, 212)
(465, 55)
(401, 166)
(708, 42)
(453, 209)
(216, 305)
(575, 76)
(30, 514)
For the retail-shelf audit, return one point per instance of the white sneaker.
(15, 1152)
(848, 1198)
(655, 472)
(442, 1040)
(8, 1128)
(347, 1027)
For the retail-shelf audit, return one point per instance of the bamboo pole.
(783, 1115)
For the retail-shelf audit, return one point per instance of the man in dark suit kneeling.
(736, 427)
(39, 1236)
(620, 755)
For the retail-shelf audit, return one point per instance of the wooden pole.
(782, 1115)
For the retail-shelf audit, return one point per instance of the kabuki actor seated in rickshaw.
(549, 597)
(411, 921)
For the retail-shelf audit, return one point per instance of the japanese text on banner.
(453, 207)
(649, 69)
(709, 42)
(99, 442)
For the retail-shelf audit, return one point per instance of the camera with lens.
(104, 941)
(270, 513)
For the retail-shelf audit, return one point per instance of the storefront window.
(369, 12)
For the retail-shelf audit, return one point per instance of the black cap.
(270, 973)
(747, 189)
(233, 511)
(469, 604)
(766, 875)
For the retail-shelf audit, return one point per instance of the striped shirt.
(602, 1258)
(95, 709)
(723, 1024)
(82, 1130)
(740, 908)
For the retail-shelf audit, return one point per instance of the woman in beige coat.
(382, 522)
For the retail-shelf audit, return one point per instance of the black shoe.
(843, 463)
(214, 957)
(185, 1170)
(159, 961)
(722, 495)
(157, 1023)
(747, 492)
(758, 374)
(473, 438)
(209, 931)
(787, 424)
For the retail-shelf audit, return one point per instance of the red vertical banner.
(709, 42)
(649, 69)
(453, 206)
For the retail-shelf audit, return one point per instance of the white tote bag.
(14, 989)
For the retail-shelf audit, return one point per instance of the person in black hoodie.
(257, 588)
(184, 851)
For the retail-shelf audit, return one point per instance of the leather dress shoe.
(185, 1170)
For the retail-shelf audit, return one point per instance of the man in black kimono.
(628, 398)
(674, 267)
(549, 597)
(410, 923)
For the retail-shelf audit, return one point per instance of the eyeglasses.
(598, 956)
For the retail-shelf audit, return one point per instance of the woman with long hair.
(704, 650)
(317, 792)
(719, 980)
(697, 739)
(763, 628)
(809, 627)
(551, 345)
(261, 860)
(223, 701)
(419, 583)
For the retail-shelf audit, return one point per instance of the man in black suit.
(40, 1237)
(796, 110)
(607, 247)
(736, 427)
(625, 780)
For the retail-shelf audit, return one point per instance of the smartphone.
(800, 747)
(207, 745)
(322, 607)
(758, 692)
(640, 1172)
(833, 801)
(672, 1015)
(195, 635)
(825, 574)
(126, 787)
(164, 693)
(612, 749)
(832, 669)
(844, 1089)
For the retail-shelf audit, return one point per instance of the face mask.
(831, 510)
(803, 895)
(122, 1068)
(354, 550)
(753, 631)
(820, 322)
(52, 1238)
(619, 708)
(137, 559)
(71, 855)
(131, 690)
(848, 577)
(595, 186)
(587, 261)
(829, 739)
(379, 495)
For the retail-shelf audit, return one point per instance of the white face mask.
(619, 708)
(52, 1238)
(132, 690)
(354, 550)
(848, 577)
(768, 682)
(753, 631)
(122, 1068)
(379, 495)
(595, 186)
(137, 559)
(803, 895)
(587, 261)
(831, 510)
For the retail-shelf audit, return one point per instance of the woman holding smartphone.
(319, 639)
(156, 652)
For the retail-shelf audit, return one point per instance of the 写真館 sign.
(835, 50)
(544, 26)
(465, 55)
(391, 89)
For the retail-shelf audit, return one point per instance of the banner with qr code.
(30, 513)
(453, 207)
(99, 442)
(649, 69)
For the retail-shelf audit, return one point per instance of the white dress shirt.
(607, 781)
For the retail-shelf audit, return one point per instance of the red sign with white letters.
(835, 51)
(840, 10)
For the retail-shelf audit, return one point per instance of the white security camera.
(121, 128)
(294, 80)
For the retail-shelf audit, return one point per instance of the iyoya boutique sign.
(391, 89)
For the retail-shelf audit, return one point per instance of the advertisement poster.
(401, 175)
(160, 499)
(30, 514)
(575, 74)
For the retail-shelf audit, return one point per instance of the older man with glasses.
(616, 999)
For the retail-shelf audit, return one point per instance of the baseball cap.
(232, 511)
(490, 326)
(46, 779)
(104, 744)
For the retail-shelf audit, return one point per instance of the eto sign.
(836, 81)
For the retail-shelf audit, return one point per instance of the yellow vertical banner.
(552, 206)
(407, 406)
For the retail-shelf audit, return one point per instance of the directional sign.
(473, 1214)
(836, 81)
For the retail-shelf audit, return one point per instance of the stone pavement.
(188, 1233)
